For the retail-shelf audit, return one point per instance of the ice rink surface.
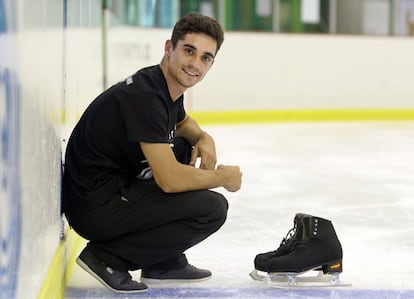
(360, 175)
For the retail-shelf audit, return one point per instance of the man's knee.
(219, 206)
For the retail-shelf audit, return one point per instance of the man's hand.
(205, 149)
(233, 177)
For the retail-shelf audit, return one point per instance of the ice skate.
(312, 248)
(286, 246)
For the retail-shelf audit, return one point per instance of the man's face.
(191, 59)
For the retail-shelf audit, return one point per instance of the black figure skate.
(312, 245)
(286, 246)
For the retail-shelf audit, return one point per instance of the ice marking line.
(72, 293)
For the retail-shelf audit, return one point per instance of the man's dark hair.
(197, 23)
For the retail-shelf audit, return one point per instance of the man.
(131, 186)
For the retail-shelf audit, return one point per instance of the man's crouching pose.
(131, 186)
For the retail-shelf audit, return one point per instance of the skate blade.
(299, 280)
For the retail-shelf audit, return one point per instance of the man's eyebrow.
(194, 48)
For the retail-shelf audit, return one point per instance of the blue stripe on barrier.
(10, 209)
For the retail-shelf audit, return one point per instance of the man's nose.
(195, 61)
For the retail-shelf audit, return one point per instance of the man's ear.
(168, 47)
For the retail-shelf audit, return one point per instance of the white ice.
(360, 175)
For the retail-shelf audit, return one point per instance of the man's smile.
(190, 72)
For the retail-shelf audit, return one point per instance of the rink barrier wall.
(275, 71)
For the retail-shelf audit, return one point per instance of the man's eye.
(208, 59)
(188, 51)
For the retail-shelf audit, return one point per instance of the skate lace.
(290, 242)
(289, 237)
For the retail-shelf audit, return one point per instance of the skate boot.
(286, 246)
(315, 246)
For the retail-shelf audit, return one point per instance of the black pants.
(144, 227)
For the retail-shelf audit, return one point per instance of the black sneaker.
(117, 281)
(188, 273)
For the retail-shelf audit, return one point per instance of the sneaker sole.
(161, 281)
(90, 271)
